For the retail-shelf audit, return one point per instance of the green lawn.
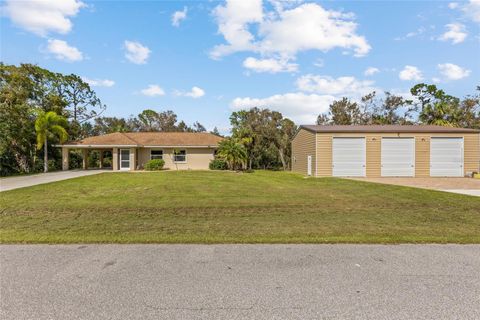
(227, 207)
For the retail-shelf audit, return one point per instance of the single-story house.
(131, 150)
(385, 151)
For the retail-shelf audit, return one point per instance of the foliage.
(216, 132)
(104, 125)
(233, 153)
(49, 126)
(28, 90)
(439, 108)
(218, 164)
(266, 136)
(147, 121)
(345, 112)
(81, 102)
(392, 109)
(154, 164)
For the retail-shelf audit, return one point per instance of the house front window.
(156, 154)
(180, 156)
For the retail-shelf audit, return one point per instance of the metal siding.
(303, 145)
(374, 150)
(446, 157)
(349, 157)
(472, 152)
(398, 157)
(324, 155)
(373, 141)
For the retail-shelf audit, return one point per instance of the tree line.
(34, 102)
(429, 105)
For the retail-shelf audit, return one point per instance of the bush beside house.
(218, 164)
(154, 165)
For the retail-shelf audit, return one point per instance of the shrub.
(218, 164)
(155, 164)
(53, 165)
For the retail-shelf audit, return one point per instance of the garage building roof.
(385, 129)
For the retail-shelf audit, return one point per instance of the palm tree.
(233, 152)
(48, 125)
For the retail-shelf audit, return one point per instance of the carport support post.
(101, 159)
(85, 159)
(65, 158)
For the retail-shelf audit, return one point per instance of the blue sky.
(205, 59)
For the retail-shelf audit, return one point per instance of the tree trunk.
(45, 157)
(282, 158)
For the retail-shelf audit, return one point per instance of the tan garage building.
(385, 151)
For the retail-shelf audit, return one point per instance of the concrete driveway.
(239, 282)
(11, 183)
(467, 186)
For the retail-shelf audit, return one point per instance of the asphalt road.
(240, 282)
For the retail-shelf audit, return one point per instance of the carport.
(86, 153)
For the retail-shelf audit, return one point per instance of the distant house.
(131, 150)
(385, 151)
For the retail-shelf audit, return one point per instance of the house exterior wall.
(197, 158)
(373, 149)
(133, 158)
(303, 145)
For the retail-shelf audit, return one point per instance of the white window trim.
(173, 155)
(157, 155)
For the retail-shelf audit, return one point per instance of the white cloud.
(453, 5)
(300, 107)
(42, 17)
(63, 51)
(179, 16)
(233, 20)
(334, 86)
(453, 72)
(195, 93)
(99, 82)
(455, 33)
(410, 73)
(370, 71)
(472, 10)
(419, 33)
(269, 65)
(285, 31)
(309, 26)
(314, 97)
(136, 52)
(153, 90)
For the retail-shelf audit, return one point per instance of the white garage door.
(349, 157)
(446, 157)
(398, 157)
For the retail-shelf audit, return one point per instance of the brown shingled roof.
(386, 129)
(140, 139)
